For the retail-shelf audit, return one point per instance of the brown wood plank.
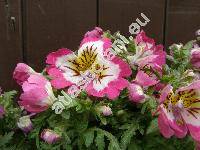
(10, 41)
(52, 24)
(183, 20)
(117, 15)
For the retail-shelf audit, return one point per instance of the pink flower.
(106, 110)
(145, 80)
(68, 69)
(22, 73)
(25, 124)
(149, 58)
(2, 111)
(195, 57)
(148, 53)
(38, 94)
(180, 111)
(96, 33)
(50, 136)
(136, 93)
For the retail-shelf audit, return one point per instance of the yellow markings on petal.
(188, 97)
(179, 121)
(84, 61)
(170, 99)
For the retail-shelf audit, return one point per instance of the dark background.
(30, 29)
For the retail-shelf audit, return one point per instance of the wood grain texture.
(183, 20)
(119, 14)
(53, 24)
(10, 41)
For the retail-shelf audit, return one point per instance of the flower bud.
(106, 110)
(96, 33)
(197, 32)
(50, 136)
(136, 93)
(195, 57)
(25, 124)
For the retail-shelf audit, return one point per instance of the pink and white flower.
(68, 69)
(149, 58)
(38, 94)
(148, 53)
(22, 73)
(180, 111)
(50, 136)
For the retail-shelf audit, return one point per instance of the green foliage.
(12, 112)
(5, 139)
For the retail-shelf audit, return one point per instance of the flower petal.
(144, 79)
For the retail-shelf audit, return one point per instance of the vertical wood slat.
(10, 41)
(53, 24)
(119, 14)
(183, 20)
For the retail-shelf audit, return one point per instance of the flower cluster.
(82, 92)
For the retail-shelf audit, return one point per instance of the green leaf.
(127, 135)
(65, 114)
(100, 141)
(189, 45)
(113, 140)
(88, 137)
(6, 138)
(153, 127)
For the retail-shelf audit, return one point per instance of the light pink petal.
(194, 132)
(159, 86)
(169, 121)
(194, 85)
(191, 117)
(141, 37)
(144, 79)
(28, 86)
(89, 39)
(165, 92)
(52, 57)
(148, 60)
(32, 108)
(107, 43)
(119, 84)
(38, 79)
(22, 73)
(112, 93)
(124, 67)
(91, 91)
(95, 33)
(58, 80)
(161, 59)
(180, 130)
(164, 126)
(34, 96)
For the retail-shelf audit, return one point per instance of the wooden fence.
(30, 29)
